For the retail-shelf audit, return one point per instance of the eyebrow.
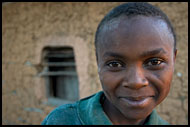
(144, 54)
(113, 54)
(153, 52)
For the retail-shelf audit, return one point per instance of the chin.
(136, 113)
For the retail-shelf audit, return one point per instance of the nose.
(135, 79)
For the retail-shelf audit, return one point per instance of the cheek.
(110, 81)
(161, 82)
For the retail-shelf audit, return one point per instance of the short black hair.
(132, 9)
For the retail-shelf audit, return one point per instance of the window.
(59, 71)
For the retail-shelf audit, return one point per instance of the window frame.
(46, 73)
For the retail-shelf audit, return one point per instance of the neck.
(117, 118)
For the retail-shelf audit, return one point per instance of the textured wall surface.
(27, 27)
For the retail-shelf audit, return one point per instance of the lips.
(140, 101)
(136, 98)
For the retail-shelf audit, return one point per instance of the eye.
(154, 62)
(114, 64)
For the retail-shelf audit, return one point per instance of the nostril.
(145, 81)
(135, 84)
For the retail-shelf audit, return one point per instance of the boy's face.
(136, 64)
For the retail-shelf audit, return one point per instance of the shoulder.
(155, 119)
(80, 112)
(161, 121)
(62, 115)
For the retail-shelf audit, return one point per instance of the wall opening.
(59, 71)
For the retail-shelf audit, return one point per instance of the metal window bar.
(63, 56)
(58, 73)
(59, 64)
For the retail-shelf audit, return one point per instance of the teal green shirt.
(89, 111)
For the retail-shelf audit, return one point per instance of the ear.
(175, 54)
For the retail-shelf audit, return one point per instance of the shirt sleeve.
(44, 121)
(62, 115)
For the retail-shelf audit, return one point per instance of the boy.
(136, 51)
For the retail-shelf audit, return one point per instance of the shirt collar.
(90, 112)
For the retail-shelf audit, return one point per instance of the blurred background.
(48, 58)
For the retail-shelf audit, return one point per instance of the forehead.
(138, 31)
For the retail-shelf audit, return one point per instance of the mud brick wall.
(28, 27)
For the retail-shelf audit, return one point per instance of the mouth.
(137, 101)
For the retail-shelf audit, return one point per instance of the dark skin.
(136, 62)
